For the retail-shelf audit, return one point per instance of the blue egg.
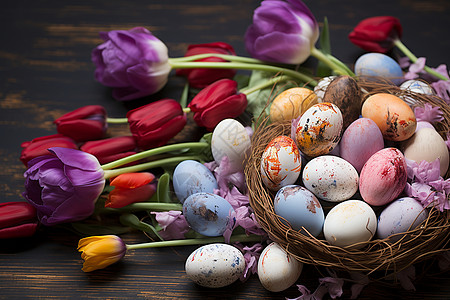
(300, 208)
(190, 177)
(378, 64)
(207, 213)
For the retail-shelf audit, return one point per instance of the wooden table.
(46, 71)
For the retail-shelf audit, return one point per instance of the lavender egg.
(378, 64)
(360, 141)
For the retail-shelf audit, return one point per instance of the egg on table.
(215, 265)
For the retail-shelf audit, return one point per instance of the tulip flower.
(200, 78)
(99, 252)
(154, 124)
(83, 124)
(39, 146)
(133, 62)
(216, 102)
(381, 34)
(111, 149)
(131, 188)
(17, 219)
(63, 186)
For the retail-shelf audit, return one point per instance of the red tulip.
(131, 188)
(39, 146)
(83, 124)
(111, 149)
(376, 34)
(17, 219)
(154, 124)
(216, 102)
(200, 78)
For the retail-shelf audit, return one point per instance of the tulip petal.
(132, 180)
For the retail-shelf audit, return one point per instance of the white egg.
(278, 270)
(321, 87)
(215, 265)
(415, 86)
(426, 144)
(350, 222)
(231, 139)
(330, 178)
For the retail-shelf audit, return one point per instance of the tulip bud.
(111, 149)
(131, 188)
(39, 146)
(17, 219)
(83, 124)
(200, 78)
(154, 124)
(217, 102)
(376, 34)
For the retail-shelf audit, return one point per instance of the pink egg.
(383, 177)
(360, 141)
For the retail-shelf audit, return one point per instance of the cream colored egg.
(426, 144)
(291, 104)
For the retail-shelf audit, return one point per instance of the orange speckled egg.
(393, 116)
(291, 104)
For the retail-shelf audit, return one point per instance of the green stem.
(242, 66)
(154, 151)
(322, 57)
(143, 206)
(414, 58)
(116, 120)
(199, 241)
(232, 58)
(265, 84)
(149, 165)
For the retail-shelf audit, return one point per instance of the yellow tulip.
(99, 252)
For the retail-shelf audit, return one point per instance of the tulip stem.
(265, 84)
(143, 206)
(154, 151)
(414, 58)
(242, 66)
(198, 241)
(329, 62)
(149, 165)
(228, 57)
(116, 120)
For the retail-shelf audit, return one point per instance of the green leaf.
(322, 69)
(184, 96)
(163, 189)
(134, 222)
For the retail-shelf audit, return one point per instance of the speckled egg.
(377, 64)
(400, 216)
(415, 86)
(330, 178)
(291, 104)
(280, 163)
(190, 177)
(322, 86)
(300, 208)
(426, 144)
(360, 141)
(278, 270)
(383, 177)
(392, 115)
(319, 129)
(346, 94)
(349, 223)
(215, 265)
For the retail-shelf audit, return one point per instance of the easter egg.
(349, 223)
(190, 177)
(415, 86)
(230, 138)
(383, 177)
(291, 104)
(346, 94)
(207, 213)
(322, 86)
(280, 163)
(400, 216)
(300, 208)
(360, 141)
(392, 115)
(330, 178)
(319, 129)
(277, 269)
(370, 65)
(426, 144)
(215, 265)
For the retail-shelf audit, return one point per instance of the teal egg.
(378, 64)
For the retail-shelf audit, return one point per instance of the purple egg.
(360, 141)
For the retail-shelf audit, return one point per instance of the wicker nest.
(419, 244)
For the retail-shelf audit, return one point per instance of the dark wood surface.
(46, 71)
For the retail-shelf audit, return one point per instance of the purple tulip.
(135, 63)
(64, 186)
(282, 32)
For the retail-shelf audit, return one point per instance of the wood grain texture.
(46, 71)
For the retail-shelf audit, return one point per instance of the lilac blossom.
(442, 88)
(251, 256)
(428, 113)
(173, 224)
(416, 69)
(330, 285)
